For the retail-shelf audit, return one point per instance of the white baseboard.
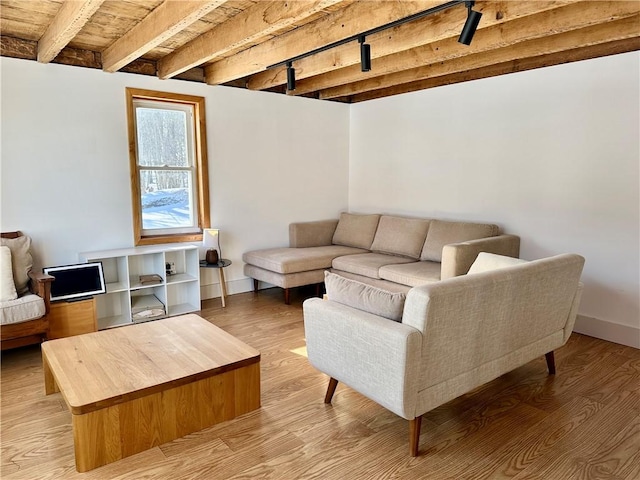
(612, 332)
(212, 290)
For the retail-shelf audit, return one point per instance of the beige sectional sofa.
(391, 252)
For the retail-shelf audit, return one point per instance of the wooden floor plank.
(581, 423)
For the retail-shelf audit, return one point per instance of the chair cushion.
(364, 297)
(21, 261)
(7, 287)
(412, 274)
(443, 233)
(485, 262)
(400, 236)
(367, 264)
(293, 260)
(22, 309)
(356, 230)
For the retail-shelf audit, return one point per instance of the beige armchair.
(23, 315)
(453, 336)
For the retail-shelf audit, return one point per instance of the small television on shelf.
(76, 281)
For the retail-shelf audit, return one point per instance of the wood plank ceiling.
(233, 42)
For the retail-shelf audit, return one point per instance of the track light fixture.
(468, 31)
(365, 55)
(291, 76)
(471, 24)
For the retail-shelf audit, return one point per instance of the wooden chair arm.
(41, 285)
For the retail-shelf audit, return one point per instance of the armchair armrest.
(379, 358)
(457, 258)
(40, 284)
(312, 234)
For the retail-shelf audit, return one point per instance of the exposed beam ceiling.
(354, 19)
(233, 42)
(618, 30)
(263, 19)
(402, 38)
(67, 23)
(164, 22)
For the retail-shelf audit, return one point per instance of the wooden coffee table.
(135, 387)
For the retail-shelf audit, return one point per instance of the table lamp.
(211, 241)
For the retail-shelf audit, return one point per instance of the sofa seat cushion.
(367, 264)
(375, 282)
(412, 274)
(400, 236)
(25, 308)
(293, 260)
(355, 230)
(443, 233)
(364, 297)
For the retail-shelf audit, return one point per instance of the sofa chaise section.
(312, 248)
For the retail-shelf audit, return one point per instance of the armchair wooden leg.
(551, 363)
(287, 297)
(333, 383)
(414, 435)
(255, 285)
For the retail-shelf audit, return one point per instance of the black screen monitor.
(76, 281)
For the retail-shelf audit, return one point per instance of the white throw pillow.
(364, 297)
(7, 287)
(486, 262)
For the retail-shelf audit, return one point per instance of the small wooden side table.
(222, 263)
(72, 318)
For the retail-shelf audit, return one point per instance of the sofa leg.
(551, 362)
(287, 297)
(255, 285)
(331, 389)
(414, 435)
(318, 285)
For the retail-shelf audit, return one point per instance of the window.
(169, 179)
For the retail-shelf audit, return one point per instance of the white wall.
(551, 155)
(65, 163)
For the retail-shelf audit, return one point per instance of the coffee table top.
(105, 368)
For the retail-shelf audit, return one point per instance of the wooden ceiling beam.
(167, 19)
(446, 24)
(523, 28)
(584, 37)
(65, 25)
(513, 66)
(263, 19)
(356, 18)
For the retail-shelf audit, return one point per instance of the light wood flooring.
(583, 423)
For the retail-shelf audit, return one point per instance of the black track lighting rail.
(381, 28)
(468, 31)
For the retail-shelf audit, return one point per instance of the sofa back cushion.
(364, 297)
(442, 233)
(21, 261)
(356, 230)
(400, 236)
